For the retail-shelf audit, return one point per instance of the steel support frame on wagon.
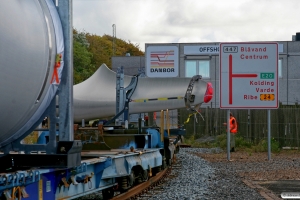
(65, 152)
(98, 171)
(64, 183)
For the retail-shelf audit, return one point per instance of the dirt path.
(282, 166)
(256, 171)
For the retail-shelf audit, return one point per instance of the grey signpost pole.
(228, 134)
(249, 78)
(269, 134)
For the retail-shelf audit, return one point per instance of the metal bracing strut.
(123, 96)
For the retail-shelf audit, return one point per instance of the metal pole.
(140, 124)
(210, 119)
(194, 125)
(82, 123)
(269, 135)
(66, 128)
(52, 144)
(162, 123)
(228, 135)
(114, 39)
(248, 125)
(168, 122)
(120, 95)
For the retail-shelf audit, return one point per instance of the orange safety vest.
(233, 125)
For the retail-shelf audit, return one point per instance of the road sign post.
(249, 77)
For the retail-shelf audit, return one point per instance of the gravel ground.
(202, 173)
(284, 165)
(200, 179)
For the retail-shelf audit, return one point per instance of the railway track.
(185, 145)
(149, 188)
(143, 188)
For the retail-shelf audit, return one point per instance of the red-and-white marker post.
(249, 79)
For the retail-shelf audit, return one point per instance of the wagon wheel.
(108, 193)
(144, 175)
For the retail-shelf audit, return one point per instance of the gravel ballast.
(199, 179)
(205, 173)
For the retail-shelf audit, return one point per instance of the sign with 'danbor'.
(162, 61)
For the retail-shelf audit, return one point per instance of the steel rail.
(141, 188)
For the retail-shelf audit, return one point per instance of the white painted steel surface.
(27, 55)
(28, 48)
(96, 97)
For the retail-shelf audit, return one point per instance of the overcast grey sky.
(180, 21)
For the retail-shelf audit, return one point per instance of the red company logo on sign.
(162, 61)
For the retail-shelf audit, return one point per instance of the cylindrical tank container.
(31, 46)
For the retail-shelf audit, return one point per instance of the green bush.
(241, 142)
(191, 140)
(222, 141)
(262, 146)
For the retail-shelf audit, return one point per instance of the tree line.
(90, 51)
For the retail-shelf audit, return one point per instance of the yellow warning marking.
(156, 99)
(41, 189)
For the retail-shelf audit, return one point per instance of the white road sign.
(249, 75)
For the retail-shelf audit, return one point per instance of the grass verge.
(240, 144)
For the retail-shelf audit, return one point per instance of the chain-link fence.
(252, 124)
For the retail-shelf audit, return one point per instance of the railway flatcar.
(71, 160)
